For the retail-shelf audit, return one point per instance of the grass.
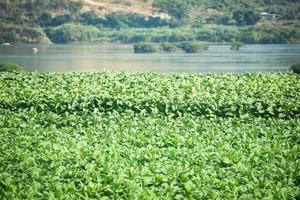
(149, 136)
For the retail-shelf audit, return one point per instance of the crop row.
(109, 135)
(277, 109)
(133, 156)
(260, 95)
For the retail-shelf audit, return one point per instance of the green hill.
(28, 21)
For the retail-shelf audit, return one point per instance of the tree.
(45, 18)
(223, 20)
(11, 37)
(156, 22)
(245, 17)
(250, 18)
(238, 16)
(177, 8)
(91, 18)
(144, 47)
(116, 20)
(75, 8)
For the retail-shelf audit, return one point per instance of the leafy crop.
(149, 136)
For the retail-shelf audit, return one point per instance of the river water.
(91, 57)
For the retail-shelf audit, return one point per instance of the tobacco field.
(121, 135)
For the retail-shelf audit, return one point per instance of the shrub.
(155, 22)
(192, 47)
(60, 20)
(10, 36)
(144, 47)
(236, 45)
(178, 9)
(169, 47)
(128, 37)
(72, 33)
(205, 35)
(91, 18)
(245, 17)
(116, 20)
(2, 40)
(9, 67)
(296, 68)
(45, 18)
(182, 36)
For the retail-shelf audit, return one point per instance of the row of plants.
(117, 135)
(209, 95)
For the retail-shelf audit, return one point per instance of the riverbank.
(65, 21)
(147, 135)
(69, 33)
(12, 34)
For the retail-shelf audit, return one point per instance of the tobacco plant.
(117, 135)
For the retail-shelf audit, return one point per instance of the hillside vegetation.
(31, 19)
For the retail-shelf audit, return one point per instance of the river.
(91, 57)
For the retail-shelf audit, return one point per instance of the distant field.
(116, 135)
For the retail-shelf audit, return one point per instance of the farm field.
(121, 135)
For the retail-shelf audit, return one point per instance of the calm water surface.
(91, 57)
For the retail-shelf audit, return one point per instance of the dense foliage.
(296, 68)
(192, 47)
(28, 20)
(149, 136)
(44, 12)
(248, 35)
(119, 20)
(73, 33)
(12, 33)
(9, 67)
(247, 17)
(143, 47)
(169, 47)
(37, 11)
(242, 11)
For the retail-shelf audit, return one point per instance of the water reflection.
(90, 57)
